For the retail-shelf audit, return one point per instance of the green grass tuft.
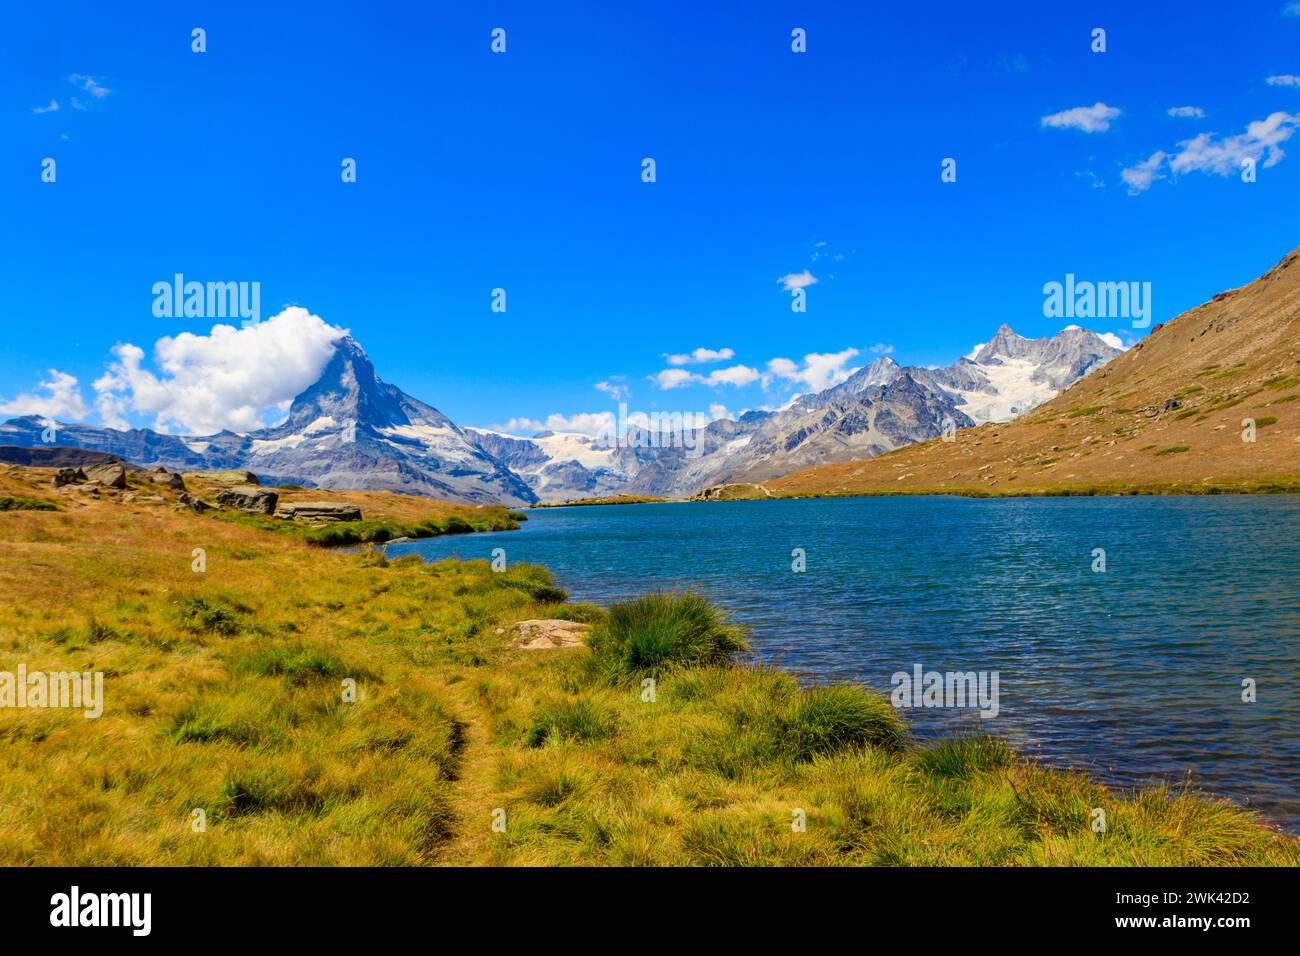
(657, 632)
(19, 503)
(207, 616)
(965, 757)
(826, 720)
(297, 665)
(577, 720)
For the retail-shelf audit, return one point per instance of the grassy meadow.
(225, 693)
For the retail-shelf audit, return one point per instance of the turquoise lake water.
(1133, 674)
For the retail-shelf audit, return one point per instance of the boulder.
(69, 476)
(546, 634)
(249, 498)
(110, 475)
(194, 504)
(228, 477)
(168, 479)
(319, 511)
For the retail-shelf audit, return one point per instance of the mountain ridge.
(879, 407)
(1208, 401)
(350, 429)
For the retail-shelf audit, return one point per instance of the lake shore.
(781, 489)
(1064, 596)
(293, 691)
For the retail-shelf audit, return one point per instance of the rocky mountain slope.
(348, 430)
(1208, 401)
(352, 430)
(882, 406)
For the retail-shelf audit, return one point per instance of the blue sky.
(522, 171)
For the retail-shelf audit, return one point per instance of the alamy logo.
(211, 300)
(56, 689)
(1098, 300)
(953, 689)
(684, 430)
(134, 910)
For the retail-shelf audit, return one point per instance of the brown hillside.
(1167, 415)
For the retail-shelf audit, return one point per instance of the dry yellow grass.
(225, 693)
(1167, 415)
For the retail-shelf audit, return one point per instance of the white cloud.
(737, 375)
(1111, 339)
(700, 357)
(584, 423)
(52, 108)
(797, 280)
(1260, 141)
(614, 389)
(820, 370)
(229, 379)
(1141, 176)
(880, 348)
(673, 378)
(1204, 153)
(1291, 9)
(1090, 119)
(718, 410)
(89, 84)
(1186, 112)
(61, 399)
(1284, 79)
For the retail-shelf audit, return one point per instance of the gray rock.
(110, 475)
(69, 476)
(229, 477)
(319, 511)
(194, 504)
(249, 498)
(168, 479)
(547, 634)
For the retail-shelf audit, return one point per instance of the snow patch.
(574, 446)
(1016, 392)
(324, 423)
(262, 446)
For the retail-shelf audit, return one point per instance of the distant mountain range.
(1207, 402)
(880, 407)
(348, 430)
(352, 430)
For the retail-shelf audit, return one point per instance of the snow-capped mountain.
(558, 465)
(1008, 375)
(352, 430)
(881, 406)
(348, 430)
